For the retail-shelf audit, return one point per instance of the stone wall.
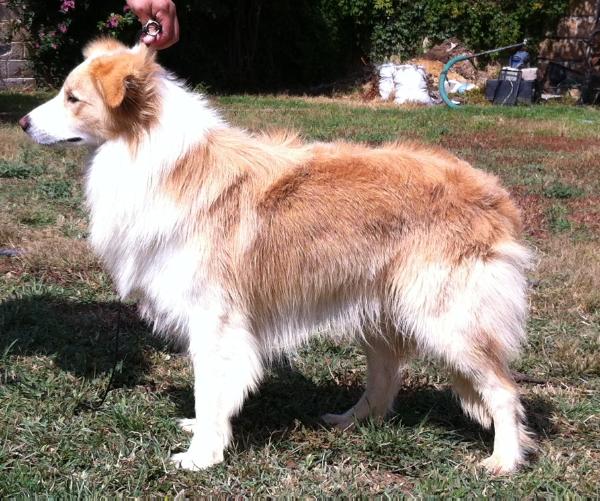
(14, 68)
(568, 44)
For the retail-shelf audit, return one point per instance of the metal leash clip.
(152, 28)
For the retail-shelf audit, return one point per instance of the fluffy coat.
(245, 245)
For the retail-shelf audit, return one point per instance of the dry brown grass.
(586, 212)
(528, 140)
(570, 272)
(9, 231)
(59, 259)
(567, 298)
(581, 169)
(12, 143)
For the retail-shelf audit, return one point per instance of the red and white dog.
(245, 246)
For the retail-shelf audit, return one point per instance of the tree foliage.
(267, 45)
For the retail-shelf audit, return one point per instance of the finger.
(170, 28)
(144, 18)
(140, 10)
(160, 41)
(176, 30)
(148, 40)
(151, 34)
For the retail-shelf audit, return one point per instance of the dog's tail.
(472, 317)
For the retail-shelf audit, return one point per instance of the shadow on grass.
(284, 397)
(440, 407)
(287, 398)
(80, 337)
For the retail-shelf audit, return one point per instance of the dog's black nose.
(25, 123)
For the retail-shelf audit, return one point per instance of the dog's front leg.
(227, 365)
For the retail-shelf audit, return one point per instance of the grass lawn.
(59, 318)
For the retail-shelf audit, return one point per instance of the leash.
(152, 28)
(117, 366)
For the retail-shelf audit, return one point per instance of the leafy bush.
(58, 29)
(399, 27)
(258, 44)
(262, 45)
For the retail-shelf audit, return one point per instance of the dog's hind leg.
(475, 333)
(489, 394)
(227, 365)
(385, 364)
(494, 398)
(470, 400)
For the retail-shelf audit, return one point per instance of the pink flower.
(113, 21)
(53, 45)
(62, 27)
(67, 5)
(126, 8)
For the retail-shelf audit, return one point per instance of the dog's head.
(111, 94)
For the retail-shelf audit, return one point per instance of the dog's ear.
(110, 74)
(102, 46)
(115, 75)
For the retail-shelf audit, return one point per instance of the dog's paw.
(340, 421)
(498, 466)
(186, 424)
(195, 462)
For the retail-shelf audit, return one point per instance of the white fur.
(142, 239)
(51, 124)
(141, 235)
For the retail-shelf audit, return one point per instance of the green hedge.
(399, 27)
(233, 45)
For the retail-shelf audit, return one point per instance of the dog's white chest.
(134, 228)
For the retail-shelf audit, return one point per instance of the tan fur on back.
(230, 154)
(340, 213)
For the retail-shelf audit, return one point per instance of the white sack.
(407, 83)
(410, 85)
(386, 80)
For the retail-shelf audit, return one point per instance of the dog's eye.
(72, 99)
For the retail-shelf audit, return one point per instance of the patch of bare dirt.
(533, 211)
(585, 211)
(523, 141)
(380, 481)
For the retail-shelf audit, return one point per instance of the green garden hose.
(443, 76)
(464, 57)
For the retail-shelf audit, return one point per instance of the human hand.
(162, 11)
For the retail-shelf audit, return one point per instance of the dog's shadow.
(87, 339)
(287, 398)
